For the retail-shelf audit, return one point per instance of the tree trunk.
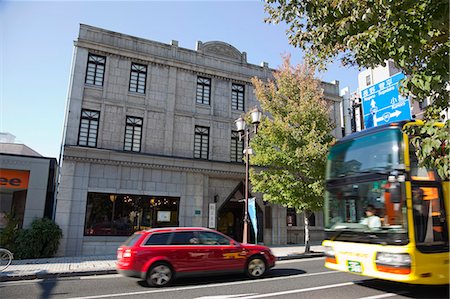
(307, 245)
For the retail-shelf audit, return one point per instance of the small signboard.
(163, 216)
(383, 104)
(212, 215)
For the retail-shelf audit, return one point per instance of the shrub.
(41, 240)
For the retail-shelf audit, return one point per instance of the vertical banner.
(252, 214)
(212, 215)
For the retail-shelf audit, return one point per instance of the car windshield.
(372, 212)
(357, 156)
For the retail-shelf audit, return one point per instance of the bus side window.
(429, 221)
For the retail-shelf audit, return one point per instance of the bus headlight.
(330, 255)
(398, 263)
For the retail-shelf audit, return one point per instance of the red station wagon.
(159, 255)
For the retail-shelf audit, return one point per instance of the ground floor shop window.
(122, 214)
(13, 195)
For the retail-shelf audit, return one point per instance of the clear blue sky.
(37, 44)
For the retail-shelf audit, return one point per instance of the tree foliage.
(366, 33)
(433, 143)
(292, 140)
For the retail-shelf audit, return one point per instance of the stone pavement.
(106, 264)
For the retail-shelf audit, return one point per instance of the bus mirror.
(395, 193)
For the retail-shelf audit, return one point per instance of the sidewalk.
(106, 264)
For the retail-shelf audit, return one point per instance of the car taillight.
(123, 253)
(127, 253)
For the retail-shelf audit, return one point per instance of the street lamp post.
(244, 132)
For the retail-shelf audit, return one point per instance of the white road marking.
(237, 296)
(103, 276)
(265, 280)
(383, 295)
(338, 285)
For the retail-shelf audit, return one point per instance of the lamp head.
(240, 124)
(256, 115)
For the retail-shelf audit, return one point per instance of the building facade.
(150, 141)
(27, 184)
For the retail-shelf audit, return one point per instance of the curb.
(56, 275)
(300, 256)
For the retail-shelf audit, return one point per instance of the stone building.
(150, 141)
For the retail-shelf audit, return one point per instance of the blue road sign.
(382, 103)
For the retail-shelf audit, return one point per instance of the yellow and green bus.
(385, 217)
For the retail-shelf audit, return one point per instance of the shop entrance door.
(231, 216)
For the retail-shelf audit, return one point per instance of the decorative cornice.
(209, 171)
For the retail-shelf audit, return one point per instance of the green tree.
(292, 141)
(366, 33)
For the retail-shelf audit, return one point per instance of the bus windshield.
(367, 212)
(378, 152)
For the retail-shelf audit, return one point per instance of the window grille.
(138, 78)
(133, 134)
(237, 97)
(95, 70)
(203, 90)
(201, 142)
(237, 147)
(88, 128)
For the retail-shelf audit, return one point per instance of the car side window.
(158, 239)
(184, 238)
(210, 238)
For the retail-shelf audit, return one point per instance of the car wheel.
(256, 267)
(159, 275)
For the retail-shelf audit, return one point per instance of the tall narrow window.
(203, 90)
(237, 97)
(138, 77)
(291, 217)
(95, 69)
(201, 142)
(368, 80)
(133, 133)
(312, 219)
(237, 147)
(88, 128)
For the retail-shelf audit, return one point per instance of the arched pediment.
(221, 49)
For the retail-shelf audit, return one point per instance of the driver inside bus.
(372, 220)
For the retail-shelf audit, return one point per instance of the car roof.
(174, 229)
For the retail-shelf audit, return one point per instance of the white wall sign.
(212, 215)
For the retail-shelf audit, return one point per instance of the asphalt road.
(306, 278)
